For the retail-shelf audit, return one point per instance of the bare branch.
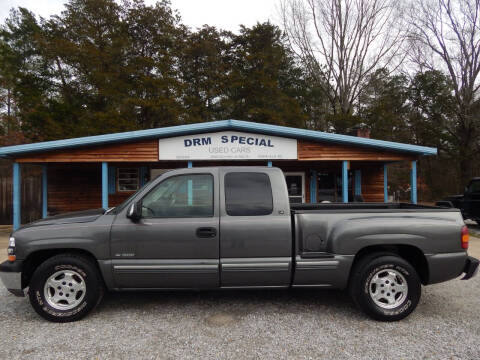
(347, 40)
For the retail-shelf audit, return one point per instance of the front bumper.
(471, 268)
(11, 275)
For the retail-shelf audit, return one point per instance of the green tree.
(261, 79)
(203, 69)
(432, 107)
(24, 70)
(383, 106)
(155, 42)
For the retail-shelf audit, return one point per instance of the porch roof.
(214, 126)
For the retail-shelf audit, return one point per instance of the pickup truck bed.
(337, 231)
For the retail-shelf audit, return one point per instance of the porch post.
(105, 185)
(17, 200)
(190, 187)
(358, 182)
(313, 186)
(413, 182)
(385, 183)
(345, 181)
(44, 192)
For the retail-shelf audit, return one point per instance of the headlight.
(11, 242)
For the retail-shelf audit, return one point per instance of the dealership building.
(104, 170)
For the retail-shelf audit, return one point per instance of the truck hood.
(69, 218)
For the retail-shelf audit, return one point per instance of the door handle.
(206, 232)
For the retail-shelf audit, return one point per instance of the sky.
(224, 14)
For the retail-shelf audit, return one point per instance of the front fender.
(93, 237)
(99, 249)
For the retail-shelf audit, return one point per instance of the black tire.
(71, 263)
(360, 286)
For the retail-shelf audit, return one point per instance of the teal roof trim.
(214, 126)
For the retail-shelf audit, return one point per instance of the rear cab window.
(248, 194)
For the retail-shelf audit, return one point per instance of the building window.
(128, 179)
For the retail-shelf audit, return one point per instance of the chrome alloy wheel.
(388, 288)
(64, 290)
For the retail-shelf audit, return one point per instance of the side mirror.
(135, 211)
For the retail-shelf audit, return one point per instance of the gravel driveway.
(250, 324)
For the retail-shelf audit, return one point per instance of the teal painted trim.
(385, 183)
(17, 200)
(190, 187)
(112, 179)
(313, 186)
(269, 164)
(413, 182)
(105, 185)
(143, 175)
(44, 191)
(358, 182)
(190, 192)
(345, 181)
(214, 126)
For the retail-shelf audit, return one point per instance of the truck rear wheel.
(385, 287)
(65, 288)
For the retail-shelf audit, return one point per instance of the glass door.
(296, 187)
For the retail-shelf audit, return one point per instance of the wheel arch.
(33, 260)
(410, 253)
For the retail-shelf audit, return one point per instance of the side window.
(248, 194)
(180, 196)
(474, 186)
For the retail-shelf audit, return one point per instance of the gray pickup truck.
(233, 227)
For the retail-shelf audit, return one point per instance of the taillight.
(11, 249)
(464, 237)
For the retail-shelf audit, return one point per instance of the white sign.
(227, 145)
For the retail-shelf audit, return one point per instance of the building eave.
(214, 126)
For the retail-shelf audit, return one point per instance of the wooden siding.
(321, 151)
(72, 188)
(372, 183)
(30, 193)
(145, 151)
(78, 187)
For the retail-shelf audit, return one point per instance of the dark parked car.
(468, 203)
(233, 227)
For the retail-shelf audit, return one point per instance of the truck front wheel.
(385, 287)
(65, 288)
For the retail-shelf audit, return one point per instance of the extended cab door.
(175, 244)
(255, 223)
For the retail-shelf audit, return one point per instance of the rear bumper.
(471, 268)
(11, 275)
